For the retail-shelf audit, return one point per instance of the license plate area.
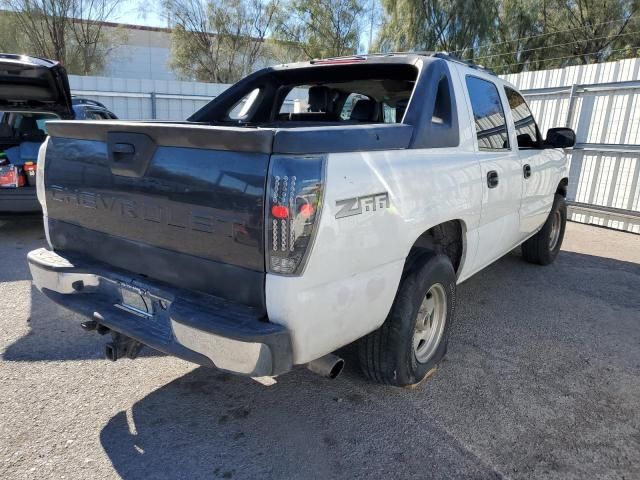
(136, 300)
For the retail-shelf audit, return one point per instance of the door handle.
(526, 170)
(492, 179)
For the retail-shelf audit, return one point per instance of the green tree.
(321, 28)
(518, 38)
(515, 35)
(71, 31)
(12, 37)
(218, 40)
(590, 31)
(437, 25)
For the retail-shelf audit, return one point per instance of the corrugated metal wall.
(134, 99)
(600, 102)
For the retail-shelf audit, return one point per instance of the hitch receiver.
(122, 346)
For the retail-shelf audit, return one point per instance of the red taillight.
(306, 210)
(280, 211)
(294, 196)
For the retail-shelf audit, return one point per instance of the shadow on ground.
(207, 425)
(541, 380)
(19, 235)
(54, 333)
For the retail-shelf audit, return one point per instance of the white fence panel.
(133, 99)
(600, 102)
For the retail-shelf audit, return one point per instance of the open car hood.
(34, 84)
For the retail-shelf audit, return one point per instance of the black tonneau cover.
(303, 140)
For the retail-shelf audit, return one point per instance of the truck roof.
(385, 57)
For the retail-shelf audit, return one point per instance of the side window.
(491, 126)
(15, 119)
(295, 102)
(241, 109)
(42, 124)
(526, 128)
(95, 115)
(388, 113)
(349, 103)
(442, 107)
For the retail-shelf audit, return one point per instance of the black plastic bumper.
(22, 199)
(195, 327)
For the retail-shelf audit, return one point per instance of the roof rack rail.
(443, 55)
(468, 63)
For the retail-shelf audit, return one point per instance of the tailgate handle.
(123, 149)
(129, 153)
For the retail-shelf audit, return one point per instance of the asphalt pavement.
(542, 380)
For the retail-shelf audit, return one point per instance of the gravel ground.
(542, 380)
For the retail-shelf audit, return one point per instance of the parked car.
(32, 92)
(253, 239)
(87, 109)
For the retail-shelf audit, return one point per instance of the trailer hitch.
(122, 346)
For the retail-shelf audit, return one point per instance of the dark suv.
(87, 109)
(32, 92)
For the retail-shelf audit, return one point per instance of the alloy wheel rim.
(556, 221)
(430, 323)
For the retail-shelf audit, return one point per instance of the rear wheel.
(407, 348)
(544, 246)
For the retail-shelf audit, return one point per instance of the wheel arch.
(563, 187)
(447, 237)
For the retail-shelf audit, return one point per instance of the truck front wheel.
(410, 344)
(544, 246)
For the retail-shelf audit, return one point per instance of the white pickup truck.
(254, 239)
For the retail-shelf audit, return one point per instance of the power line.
(574, 56)
(546, 34)
(556, 45)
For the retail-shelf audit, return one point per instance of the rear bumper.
(195, 327)
(22, 199)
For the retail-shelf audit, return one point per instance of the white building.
(140, 52)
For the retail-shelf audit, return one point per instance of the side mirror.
(560, 138)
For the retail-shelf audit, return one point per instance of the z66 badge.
(366, 203)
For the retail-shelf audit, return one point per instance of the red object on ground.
(11, 177)
(30, 173)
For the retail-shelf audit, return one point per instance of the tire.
(543, 247)
(391, 355)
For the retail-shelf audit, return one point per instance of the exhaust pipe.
(329, 366)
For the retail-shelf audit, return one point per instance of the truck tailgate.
(181, 203)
